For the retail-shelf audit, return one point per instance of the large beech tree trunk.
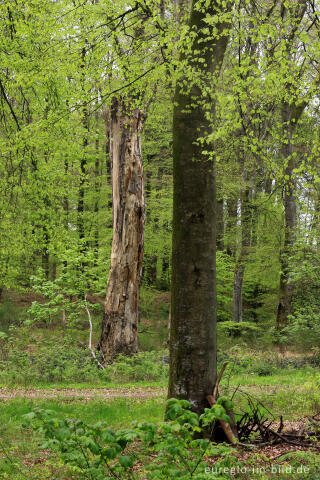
(120, 322)
(193, 347)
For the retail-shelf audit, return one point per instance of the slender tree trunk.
(54, 269)
(220, 225)
(315, 225)
(120, 323)
(83, 167)
(66, 208)
(45, 254)
(149, 271)
(237, 292)
(268, 183)
(97, 193)
(232, 210)
(242, 256)
(193, 345)
(81, 195)
(290, 115)
(165, 278)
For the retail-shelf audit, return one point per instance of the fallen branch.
(284, 439)
(90, 335)
(281, 424)
(229, 429)
(215, 390)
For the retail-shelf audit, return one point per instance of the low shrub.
(145, 366)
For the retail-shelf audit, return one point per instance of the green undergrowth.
(42, 358)
(21, 456)
(34, 360)
(49, 448)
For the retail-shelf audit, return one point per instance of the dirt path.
(86, 394)
(82, 394)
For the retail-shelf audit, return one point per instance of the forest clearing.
(159, 239)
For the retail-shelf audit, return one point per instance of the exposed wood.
(120, 322)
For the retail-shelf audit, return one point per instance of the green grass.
(292, 393)
(289, 402)
(288, 376)
(117, 412)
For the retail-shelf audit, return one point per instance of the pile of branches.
(260, 429)
(257, 426)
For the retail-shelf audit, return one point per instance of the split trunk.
(120, 322)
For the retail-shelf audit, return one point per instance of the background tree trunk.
(242, 256)
(220, 225)
(120, 323)
(290, 115)
(231, 224)
(83, 169)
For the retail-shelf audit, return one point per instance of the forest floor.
(47, 369)
(291, 393)
(22, 458)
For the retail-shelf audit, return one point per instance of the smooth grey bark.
(193, 345)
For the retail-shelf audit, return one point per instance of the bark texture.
(193, 348)
(120, 322)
